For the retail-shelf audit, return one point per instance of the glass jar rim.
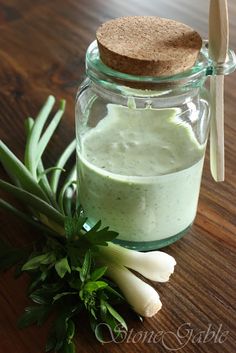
(204, 66)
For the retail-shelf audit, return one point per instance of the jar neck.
(143, 98)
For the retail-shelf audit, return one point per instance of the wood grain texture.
(42, 47)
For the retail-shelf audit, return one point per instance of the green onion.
(42, 181)
(60, 164)
(49, 131)
(34, 136)
(33, 201)
(154, 265)
(69, 181)
(7, 206)
(143, 298)
(15, 167)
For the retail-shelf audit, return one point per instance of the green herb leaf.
(58, 335)
(112, 323)
(98, 273)
(86, 266)
(40, 296)
(62, 267)
(70, 331)
(103, 310)
(40, 277)
(46, 293)
(73, 226)
(61, 295)
(111, 291)
(100, 237)
(39, 260)
(116, 315)
(94, 286)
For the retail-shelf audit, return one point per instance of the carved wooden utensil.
(218, 48)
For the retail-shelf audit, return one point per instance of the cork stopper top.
(148, 45)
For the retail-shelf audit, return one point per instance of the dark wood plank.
(42, 47)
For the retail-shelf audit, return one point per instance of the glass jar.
(140, 149)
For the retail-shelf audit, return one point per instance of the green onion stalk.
(71, 269)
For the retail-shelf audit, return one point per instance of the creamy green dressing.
(139, 172)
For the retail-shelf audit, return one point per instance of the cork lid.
(148, 45)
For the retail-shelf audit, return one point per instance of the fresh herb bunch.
(65, 274)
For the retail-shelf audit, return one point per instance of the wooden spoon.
(218, 48)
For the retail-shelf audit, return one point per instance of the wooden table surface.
(42, 48)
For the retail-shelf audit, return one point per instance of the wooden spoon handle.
(218, 30)
(218, 49)
(217, 128)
